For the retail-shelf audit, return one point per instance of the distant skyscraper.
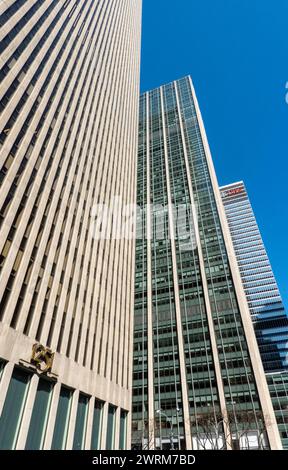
(196, 360)
(263, 296)
(69, 95)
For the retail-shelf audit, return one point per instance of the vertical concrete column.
(104, 426)
(185, 401)
(117, 428)
(150, 348)
(89, 426)
(213, 340)
(24, 428)
(4, 384)
(72, 422)
(128, 430)
(52, 417)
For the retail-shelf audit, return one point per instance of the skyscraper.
(69, 110)
(197, 367)
(264, 300)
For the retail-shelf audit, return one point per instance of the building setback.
(197, 367)
(264, 300)
(69, 96)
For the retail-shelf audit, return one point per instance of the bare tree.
(207, 428)
(144, 437)
(215, 430)
(230, 430)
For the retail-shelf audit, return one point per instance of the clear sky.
(237, 54)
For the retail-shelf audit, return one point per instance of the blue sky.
(237, 54)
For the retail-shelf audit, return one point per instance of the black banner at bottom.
(128, 459)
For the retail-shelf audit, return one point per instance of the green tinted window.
(123, 430)
(39, 416)
(97, 425)
(12, 412)
(62, 419)
(80, 427)
(110, 427)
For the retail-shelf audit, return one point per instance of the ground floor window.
(13, 408)
(110, 437)
(62, 419)
(39, 418)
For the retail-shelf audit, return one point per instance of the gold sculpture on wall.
(42, 358)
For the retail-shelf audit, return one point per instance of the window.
(62, 419)
(12, 412)
(123, 430)
(2, 365)
(81, 420)
(110, 437)
(97, 425)
(39, 418)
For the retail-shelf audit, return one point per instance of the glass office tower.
(69, 99)
(264, 300)
(198, 379)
